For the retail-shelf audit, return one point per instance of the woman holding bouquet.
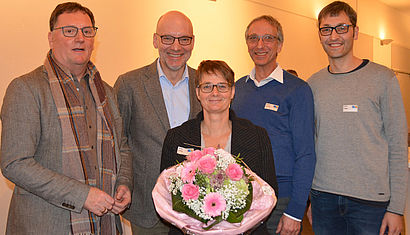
(217, 126)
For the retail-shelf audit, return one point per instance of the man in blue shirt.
(153, 99)
(283, 104)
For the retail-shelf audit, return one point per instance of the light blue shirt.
(176, 97)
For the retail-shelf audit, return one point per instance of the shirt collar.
(161, 74)
(69, 76)
(276, 74)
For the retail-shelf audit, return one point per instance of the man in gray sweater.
(359, 185)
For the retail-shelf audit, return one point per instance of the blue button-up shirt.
(176, 97)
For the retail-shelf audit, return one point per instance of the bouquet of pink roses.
(211, 186)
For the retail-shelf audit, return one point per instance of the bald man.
(153, 99)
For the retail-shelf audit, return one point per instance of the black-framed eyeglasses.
(267, 38)
(169, 40)
(340, 29)
(71, 31)
(209, 87)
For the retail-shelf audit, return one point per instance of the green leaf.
(237, 217)
(178, 205)
(217, 221)
(234, 218)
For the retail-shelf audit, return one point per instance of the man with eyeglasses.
(283, 104)
(360, 179)
(62, 142)
(153, 99)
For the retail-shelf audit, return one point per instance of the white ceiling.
(402, 5)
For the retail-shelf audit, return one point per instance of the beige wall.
(401, 63)
(124, 39)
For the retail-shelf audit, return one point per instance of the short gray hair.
(272, 21)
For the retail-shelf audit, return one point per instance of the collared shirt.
(90, 114)
(176, 97)
(87, 101)
(277, 75)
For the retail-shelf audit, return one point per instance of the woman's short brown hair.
(215, 67)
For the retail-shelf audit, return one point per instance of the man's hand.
(98, 202)
(122, 199)
(288, 226)
(393, 222)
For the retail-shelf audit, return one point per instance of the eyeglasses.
(71, 31)
(169, 40)
(209, 87)
(267, 38)
(340, 29)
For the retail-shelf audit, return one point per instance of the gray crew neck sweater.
(362, 150)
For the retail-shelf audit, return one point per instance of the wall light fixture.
(385, 41)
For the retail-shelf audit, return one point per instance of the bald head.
(174, 40)
(174, 22)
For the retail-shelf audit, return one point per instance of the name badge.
(184, 151)
(350, 108)
(273, 107)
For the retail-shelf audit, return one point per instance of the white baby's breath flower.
(224, 159)
(235, 197)
(178, 170)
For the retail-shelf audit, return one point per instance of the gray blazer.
(146, 123)
(31, 158)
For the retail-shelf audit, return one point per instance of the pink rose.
(234, 172)
(214, 204)
(209, 150)
(188, 172)
(194, 156)
(190, 191)
(207, 164)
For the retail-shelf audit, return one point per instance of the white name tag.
(273, 107)
(350, 108)
(184, 151)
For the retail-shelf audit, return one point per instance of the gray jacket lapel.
(154, 93)
(195, 106)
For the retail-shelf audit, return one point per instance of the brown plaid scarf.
(75, 142)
